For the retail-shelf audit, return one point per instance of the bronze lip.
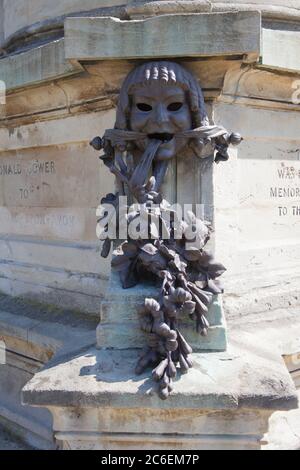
(164, 137)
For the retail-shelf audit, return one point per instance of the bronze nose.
(161, 114)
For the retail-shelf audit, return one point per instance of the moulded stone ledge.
(49, 62)
(225, 380)
(37, 65)
(148, 429)
(32, 18)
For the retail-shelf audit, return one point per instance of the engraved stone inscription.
(37, 167)
(288, 189)
(27, 182)
(269, 200)
(39, 193)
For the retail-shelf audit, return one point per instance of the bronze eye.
(144, 107)
(175, 106)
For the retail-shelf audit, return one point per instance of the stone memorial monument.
(167, 86)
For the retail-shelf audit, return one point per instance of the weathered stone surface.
(208, 35)
(145, 9)
(123, 336)
(275, 46)
(256, 210)
(72, 129)
(37, 65)
(148, 429)
(279, 9)
(49, 178)
(284, 426)
(91, 92)
(1, 22)
(32, 335)
(19, 15)
(119, 327)
(9, 442)
(106, 379)
(284, 431)
(57, 99)
(269, 253)
(262, 88)
(48, 242)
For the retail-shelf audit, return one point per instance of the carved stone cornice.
(29, 35)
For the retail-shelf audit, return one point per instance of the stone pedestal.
(225, 401)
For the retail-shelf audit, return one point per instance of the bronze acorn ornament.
(97, 143)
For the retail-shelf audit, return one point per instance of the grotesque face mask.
(161, 111)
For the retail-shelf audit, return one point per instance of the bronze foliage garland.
(188, 277)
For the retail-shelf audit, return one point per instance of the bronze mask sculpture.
(162, 113)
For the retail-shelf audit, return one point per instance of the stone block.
(119, 325)
(275, 46)
(180, 35)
